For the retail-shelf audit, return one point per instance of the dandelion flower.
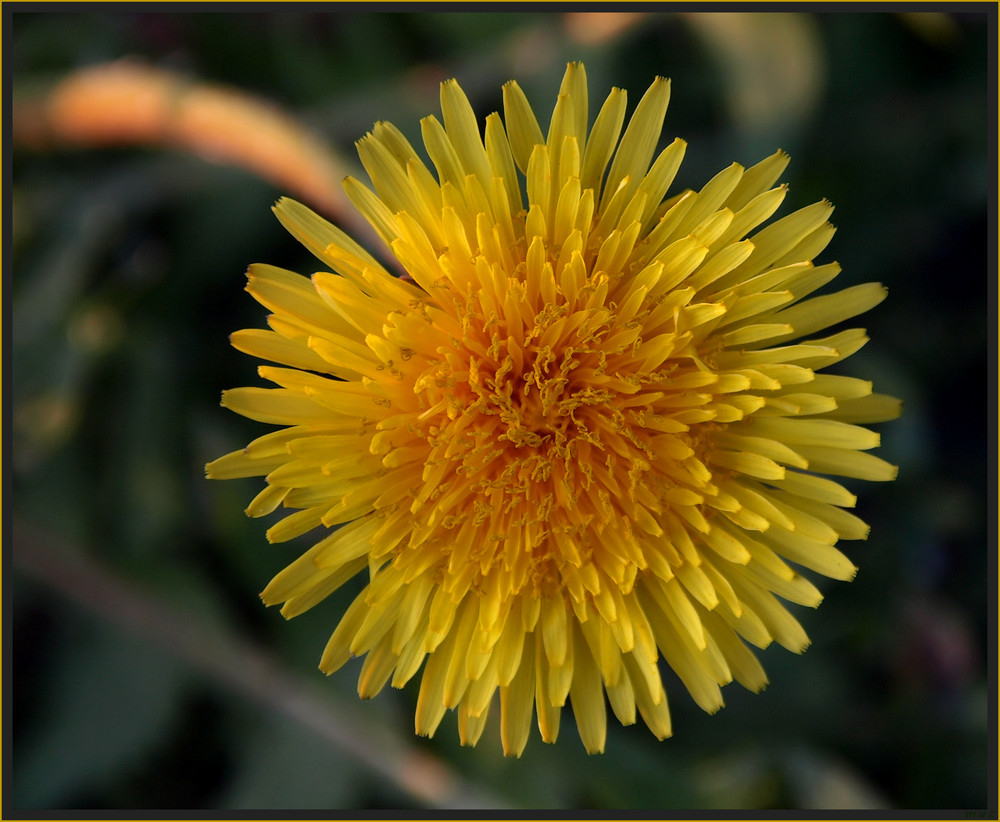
(582, 435)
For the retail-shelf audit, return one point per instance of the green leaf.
(110, 699)
(286, 766)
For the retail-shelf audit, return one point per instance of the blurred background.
(144, 672)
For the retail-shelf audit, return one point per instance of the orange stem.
(129, 103)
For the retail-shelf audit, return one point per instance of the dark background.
(142, 671)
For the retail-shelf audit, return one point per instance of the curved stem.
(130, 103)
(241, 667)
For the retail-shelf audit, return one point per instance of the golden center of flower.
(541, 446)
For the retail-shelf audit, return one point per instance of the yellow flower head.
(582, 435)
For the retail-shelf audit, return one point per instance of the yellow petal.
(875, 408)
(603, 137)
(641, 136)
(848, 463)
(516, 701)
(587, 697)
(463, 131)
(522, 127)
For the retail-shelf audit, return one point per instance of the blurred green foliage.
(127, 278)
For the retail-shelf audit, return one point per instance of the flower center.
(539, 445)
(539, 415)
